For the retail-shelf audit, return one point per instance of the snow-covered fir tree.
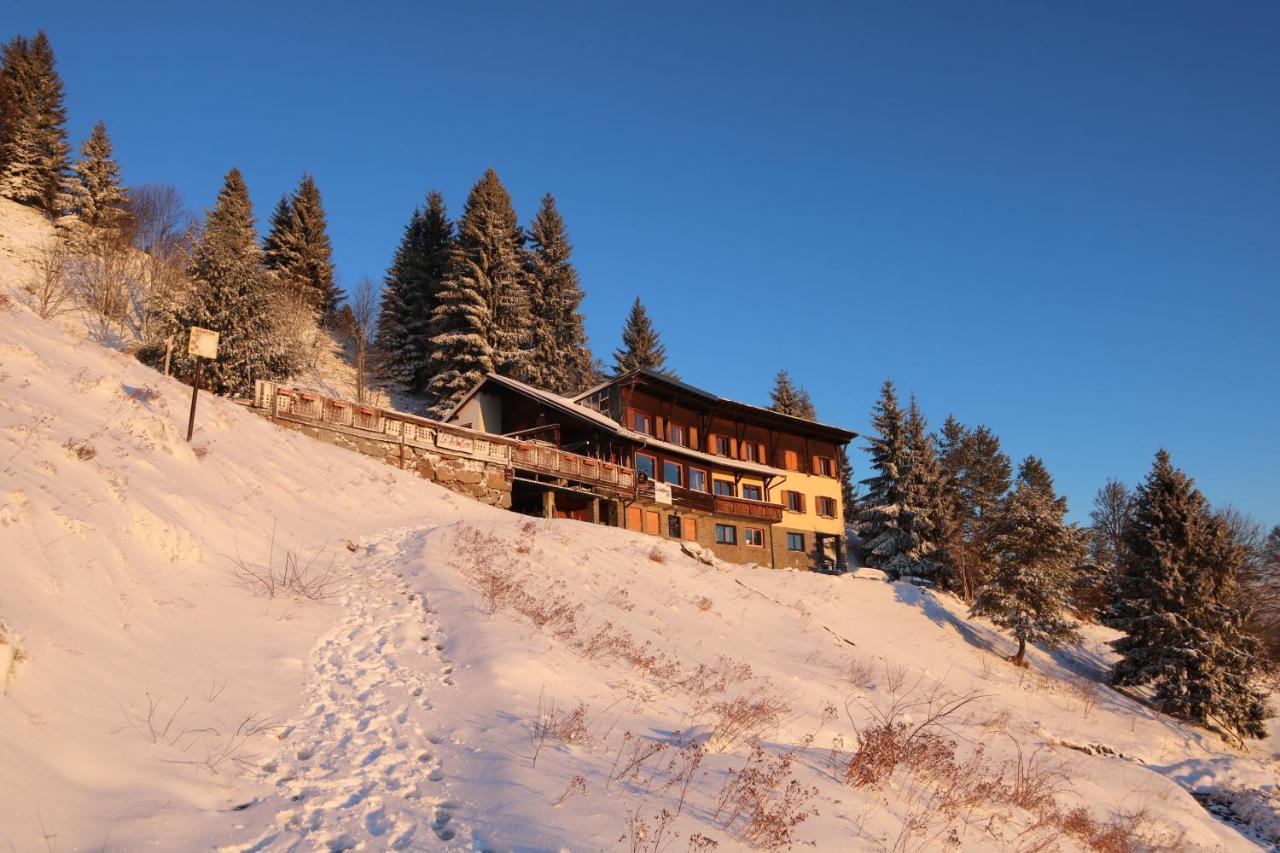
(298, 250)
(896, 516)
(33, 134)
(975, 475)
(1175, 576)
(410, 294)
(97, 195)
(1034, 553)
(233, 295)
(481, 321)
(642, 347)
(559, 358)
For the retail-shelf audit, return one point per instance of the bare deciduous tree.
(46, 289)
(163, 230)
(356, 322)
(103, 281)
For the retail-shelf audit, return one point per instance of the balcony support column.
(549, 504)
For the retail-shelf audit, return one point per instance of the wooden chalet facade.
(753, 485)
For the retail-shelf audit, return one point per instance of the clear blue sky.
(1062, 220)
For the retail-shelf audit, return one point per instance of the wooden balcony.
(545, 459)
(716, 504)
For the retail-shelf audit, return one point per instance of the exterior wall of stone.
(485, 481)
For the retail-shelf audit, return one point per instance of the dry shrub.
(658, 555)
(556, 724)
(640, 838)
(577, 785)
(910, 731)
(6, 304)
(746, 718)
(632, 759)
(47, 289)
(80, 448)
(296, 579)
(762, 803)
(860, 674)
(1122, 832)
(143, 395)
(703, 603)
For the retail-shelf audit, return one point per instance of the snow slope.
(154, 700)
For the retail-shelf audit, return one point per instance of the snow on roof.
(574, 408)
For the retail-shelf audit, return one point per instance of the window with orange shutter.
(652, 522)
(634, 517)
(791, 460)
(688, 528)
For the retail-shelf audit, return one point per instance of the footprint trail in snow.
(359, 768)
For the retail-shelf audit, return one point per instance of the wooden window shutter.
(633, 518)
(688, 528)
(652, 522)
(693, 437)
(817, 464)
(789, 460)
(711, 442)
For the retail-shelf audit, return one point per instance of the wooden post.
(549, 504)
(195, 391)
(168, 354)
(595, 510)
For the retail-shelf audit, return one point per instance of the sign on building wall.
(203, 343)
(460, 443)
(662, 493)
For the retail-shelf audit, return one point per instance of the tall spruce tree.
(481, 321)
(233, 295)
(1175, 576)
(922, 512)
(559, 358)
(33, 134)
(97, 195)
(786, 398)
(1035, 554)
(298, 250)
(642, 347)
(878, 514)
(975, 475)
(410, 294)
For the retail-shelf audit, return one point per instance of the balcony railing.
(545, 459)
(716, 504)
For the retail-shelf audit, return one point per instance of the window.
(726, 534)
(673, 526)
(647, 465)
(724, 445)
(640, 422)
(749, 451)
(688, 528)
(826, 507)
(795, 541)
(753, 536)
(677, 434)
(652, 522)
(791, 460)
(794, 501)
(635, 518)
(752, 493)
(697, 480)
(673, 473)
(724, 487)
(824, 465)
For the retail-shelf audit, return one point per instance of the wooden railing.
(545, 459)
(716, 504)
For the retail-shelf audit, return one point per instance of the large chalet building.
(650, 453)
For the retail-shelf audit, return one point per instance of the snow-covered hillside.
(439, 674)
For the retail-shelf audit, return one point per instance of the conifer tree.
(233, 295)
(33, 135)
(559, 358)
(482, 321)
(297, 249)
(975, 475)
(1035, 554)
(642, 347)
(786, 398)
(410, 294)
(1176, 573)
(898, 516)
(97, 194)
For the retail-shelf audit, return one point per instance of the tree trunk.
(1019, 659)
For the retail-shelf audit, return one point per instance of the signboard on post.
(662, 493)
(202, 344)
